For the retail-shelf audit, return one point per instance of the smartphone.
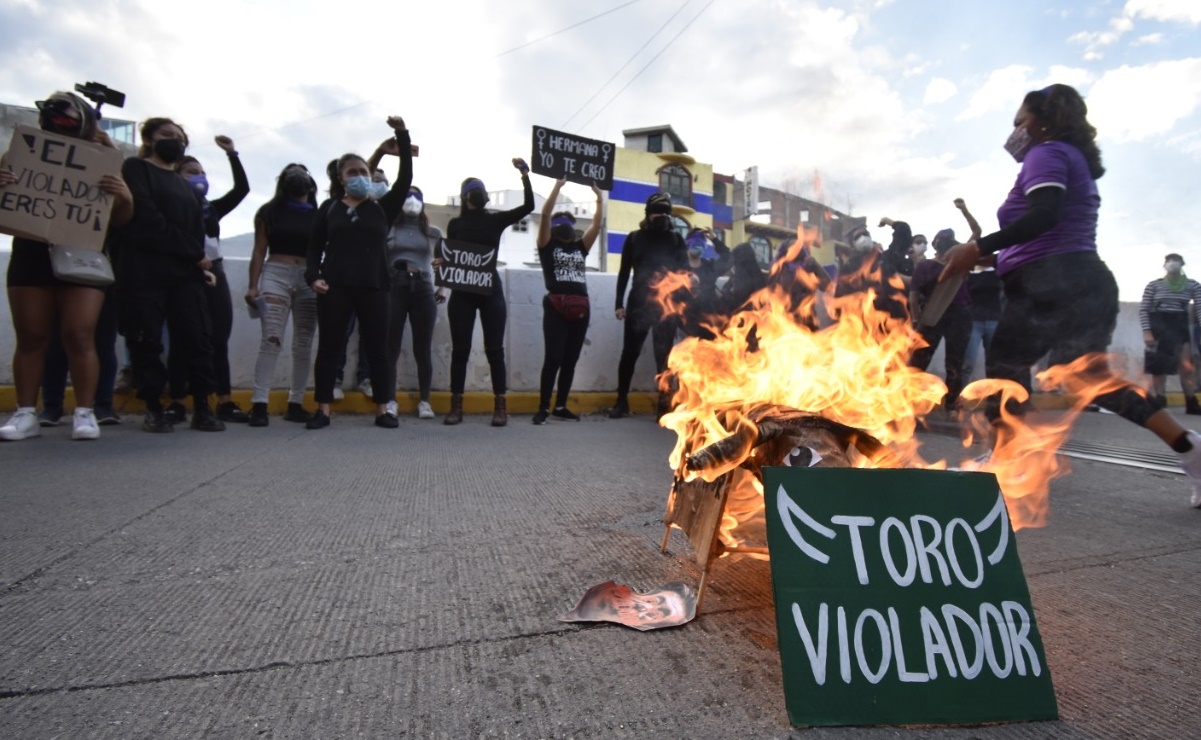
(258, 309)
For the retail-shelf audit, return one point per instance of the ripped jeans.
(285, 291)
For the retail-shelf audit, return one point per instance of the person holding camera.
(347, 268)
(37, 297)
(476, 225)
(565, 308)
(162, 270)
(220, 305)
(277, 288)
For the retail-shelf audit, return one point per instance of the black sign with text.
(464, 266)
(580, 160)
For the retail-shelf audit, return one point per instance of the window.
(719, 193)
(654, 143)
(676, 181)
(680, 226)
(522, 226)
(763, 253)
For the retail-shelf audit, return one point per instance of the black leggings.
(642, 320)
(564, 341)
(334, 309)
(956, 327)
(184, 310)
(412, 299)
(461, 310)
(221, 315)
(1065, 305)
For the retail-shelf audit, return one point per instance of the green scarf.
(1176, 283)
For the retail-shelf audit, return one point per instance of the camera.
(101, 94)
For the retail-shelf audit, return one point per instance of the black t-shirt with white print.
(563, 267)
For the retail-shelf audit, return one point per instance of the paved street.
(365, 583)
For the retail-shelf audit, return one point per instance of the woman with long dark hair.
(649, 253)
(565, 307)
(282, 228)
(476, 225)
(161, 276)
(1060, 298)
(348, 270)
(36, 297)
(220, 305)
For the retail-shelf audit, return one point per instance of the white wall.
(597, 369)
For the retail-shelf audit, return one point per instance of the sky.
(876, 107)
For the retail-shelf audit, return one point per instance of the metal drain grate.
(1165, 462)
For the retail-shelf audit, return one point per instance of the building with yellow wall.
(655, 159)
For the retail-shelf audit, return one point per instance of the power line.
(629, 61)
(305, 120)
(647, 65)
(562, 30)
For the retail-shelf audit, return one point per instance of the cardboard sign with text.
(580, 160)
(56, 197)
(469, 267)
(900, 599)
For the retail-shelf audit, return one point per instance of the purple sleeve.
(925, 276)
(1045, 164)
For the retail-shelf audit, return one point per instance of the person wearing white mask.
(865, 265)
(411, 243)
(1163, 315)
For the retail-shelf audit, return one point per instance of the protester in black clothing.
(865, 266)
(985, 288)
(746, 279)
(37, 298)
(651, 252)
(955, 324)
(161, 276)
(347, 267)
(708, 259)
(220, 306)
(565, 308)
(475, 225)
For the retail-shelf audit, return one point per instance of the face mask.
(1019, 143)
(297, 184)
(1173, 266)
(358, 187)
(412, 206)
(863, 243)
(199, 183)
(169, 150)
(563, 232)
(477, 198)
(379, 190)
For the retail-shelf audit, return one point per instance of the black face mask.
(297, 184)
(564, 232)
(169, 150)
(477, 198)
(660, 222)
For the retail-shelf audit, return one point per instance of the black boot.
(620, 409)
(230, 412)
(297, 414)
(204, 420)
(156, 421)
(258, 415)
(1191, 406)
(500, 412)
(455, 416)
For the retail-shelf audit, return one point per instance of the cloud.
(1137, 103)
(939, 90)
(1003, 90)
(1175, 11)
(1150, 39)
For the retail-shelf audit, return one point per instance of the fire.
(854, 371)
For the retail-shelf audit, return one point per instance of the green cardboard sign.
(900, 599)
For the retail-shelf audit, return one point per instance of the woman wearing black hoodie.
(478, 226)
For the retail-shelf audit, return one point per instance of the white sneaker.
(21, 425)
(338, 393)
(1191, 463)
(424, 411)
(85, 425)
(391, 408)
(365, 389)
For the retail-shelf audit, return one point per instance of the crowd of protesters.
(365, 255)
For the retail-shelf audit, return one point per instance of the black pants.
(564, 341)
(461, 310)
(412, 300)
(1065, 305)
(54, 374)
(184, 310)
(956, 327)
(1171, 333)
(642, 319)
(221, 314)
(334, 309)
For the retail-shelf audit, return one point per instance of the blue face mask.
(359, 186)
(199, 183)
(379, 190)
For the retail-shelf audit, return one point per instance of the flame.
(844, 360)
